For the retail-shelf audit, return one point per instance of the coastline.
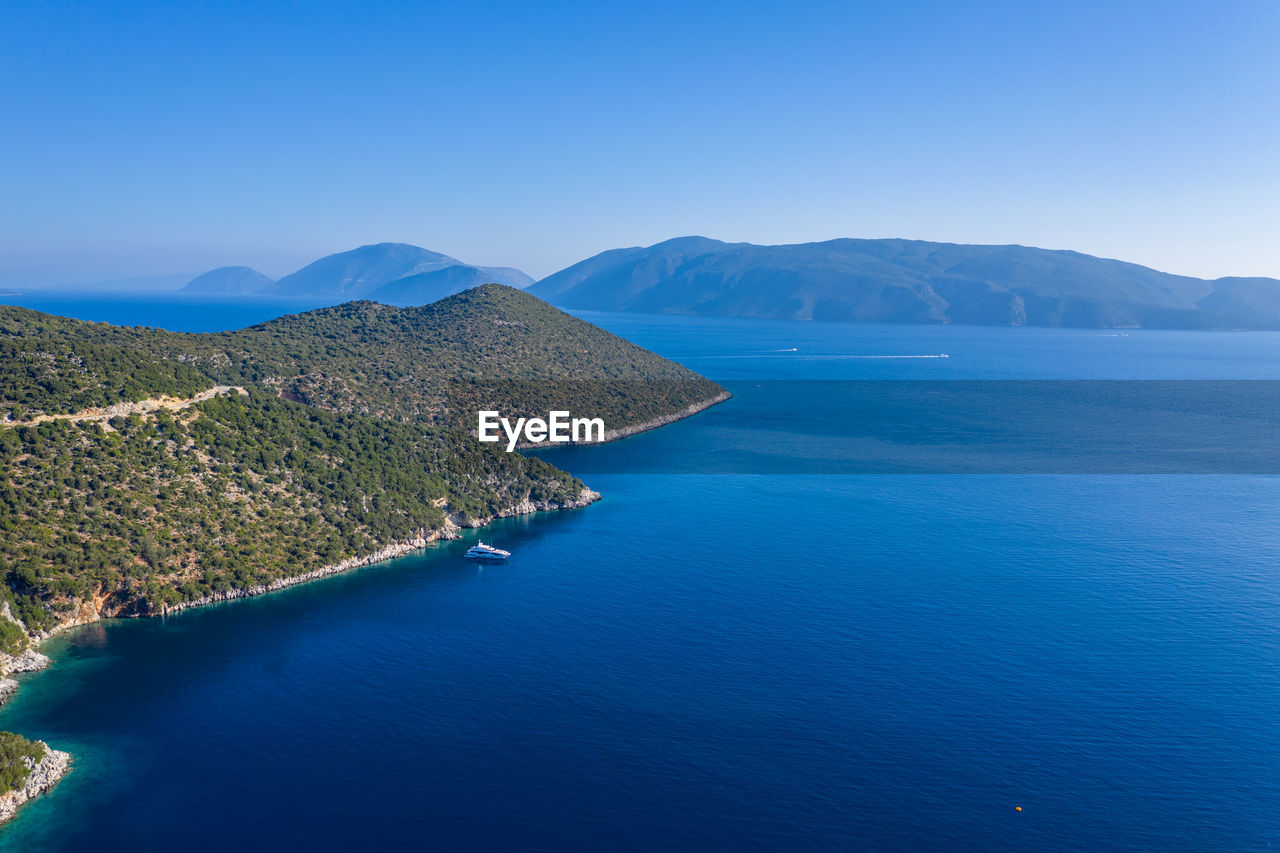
(87, 614)
(635, 429)
(388, 552)
(54, 765)
(31, 659)
(41, 778)
(687, 412)
(46, 773)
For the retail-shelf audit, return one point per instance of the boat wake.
(834, 357)
(767, 353)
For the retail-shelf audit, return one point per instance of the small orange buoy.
(1019, 808)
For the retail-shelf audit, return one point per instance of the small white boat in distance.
(481, 551)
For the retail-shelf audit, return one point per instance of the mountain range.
(845, 280)
(391, 273)
(906, 281)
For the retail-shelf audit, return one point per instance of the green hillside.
(351, 435)
(408, 364)
(232, 493)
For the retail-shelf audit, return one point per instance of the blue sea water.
(174, 310)
(730, 660)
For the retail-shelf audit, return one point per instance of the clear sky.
(149, 138)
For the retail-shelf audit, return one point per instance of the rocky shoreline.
(624, 432)
(688, 411)
(29, 661)
(44, 774)
(32, 660)
(420, 540)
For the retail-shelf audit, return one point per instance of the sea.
(739, 647)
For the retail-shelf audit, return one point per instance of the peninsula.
(147, 471)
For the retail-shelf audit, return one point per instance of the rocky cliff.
(44, 774)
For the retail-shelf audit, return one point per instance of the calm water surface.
(730, 661)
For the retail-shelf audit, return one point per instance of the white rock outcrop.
(45, 773)
(29, 661)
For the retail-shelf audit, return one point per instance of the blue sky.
(148, 138)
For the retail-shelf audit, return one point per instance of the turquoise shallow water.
(730, 660)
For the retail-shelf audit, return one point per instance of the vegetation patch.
(356, 433)
(13, 749)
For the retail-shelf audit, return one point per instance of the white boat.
(481, 551)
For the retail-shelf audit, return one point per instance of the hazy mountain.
(237, 280)
(419, 276)
(618, 275)
(510, 276)
(906, 281)
(426, 287)
(361, 271)
(173, 281)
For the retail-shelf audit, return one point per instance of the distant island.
(907, 281)
(845, 280)
(146, 471)
(391, 273)
(231, 281)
